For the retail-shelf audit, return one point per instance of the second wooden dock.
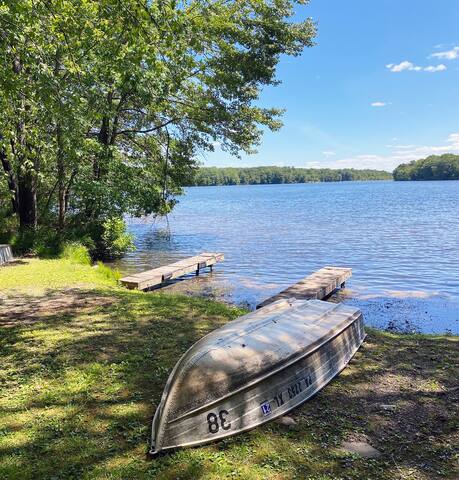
(157, 276)
(318, 286)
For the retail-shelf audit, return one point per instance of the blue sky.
(380, 88)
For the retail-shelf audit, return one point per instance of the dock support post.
(211, 268)
(197, 272)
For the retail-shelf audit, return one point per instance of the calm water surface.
(400, 238)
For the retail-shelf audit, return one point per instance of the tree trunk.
(27, 190)
(60, 160)
(68, 188)
(12, 186)
(27, 205)
(26, 183)
(60, 177)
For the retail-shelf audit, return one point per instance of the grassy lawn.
(83, 365)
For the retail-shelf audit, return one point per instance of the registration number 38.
(215, 422)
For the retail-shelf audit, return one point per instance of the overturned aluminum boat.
(254, 369)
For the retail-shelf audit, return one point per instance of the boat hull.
(271, 394)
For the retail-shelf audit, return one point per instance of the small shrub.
(88, 242)
(44, 251)
(115, 241)
(43, 241)
(47, 243)
(76, 253)
(8, 227)
(23, 241)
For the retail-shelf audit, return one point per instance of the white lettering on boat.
(293, 390)
(266, 408)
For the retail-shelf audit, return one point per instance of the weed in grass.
(76, 253)
(107, 272)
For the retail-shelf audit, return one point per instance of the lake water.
(400, 238)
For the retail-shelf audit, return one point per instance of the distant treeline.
(435, 167)
(268, 175)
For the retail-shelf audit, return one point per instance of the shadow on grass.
(13, 263)
(83, 371)
(87, 368)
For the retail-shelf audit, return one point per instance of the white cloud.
(409, 66)
(328, 153)
(398, 154)
(378, 104)
(447, 55)
(405, 65)
(451, 54)
(435, 68)
(414, 152)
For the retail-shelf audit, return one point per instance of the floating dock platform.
(157, 276)
(317, 286)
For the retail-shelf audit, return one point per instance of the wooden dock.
(157, 276)
(318, 286)
(6, 254)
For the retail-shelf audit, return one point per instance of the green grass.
(37, 276)
(108, 272)
(83, 365)
(76, 253)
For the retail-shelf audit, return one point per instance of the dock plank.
(316, 286)
(157, 276)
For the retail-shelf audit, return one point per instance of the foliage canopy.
(106, 104)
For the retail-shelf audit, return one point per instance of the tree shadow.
(13, 263)
(83, 371)
(98, 360)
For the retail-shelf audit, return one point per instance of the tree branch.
(149, 130)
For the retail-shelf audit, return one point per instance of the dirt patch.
(22, 310)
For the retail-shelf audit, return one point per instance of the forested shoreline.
(211, 176)
(435, 167)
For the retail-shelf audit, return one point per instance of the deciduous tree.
(106, 104)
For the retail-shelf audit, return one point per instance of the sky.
(379, 88)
